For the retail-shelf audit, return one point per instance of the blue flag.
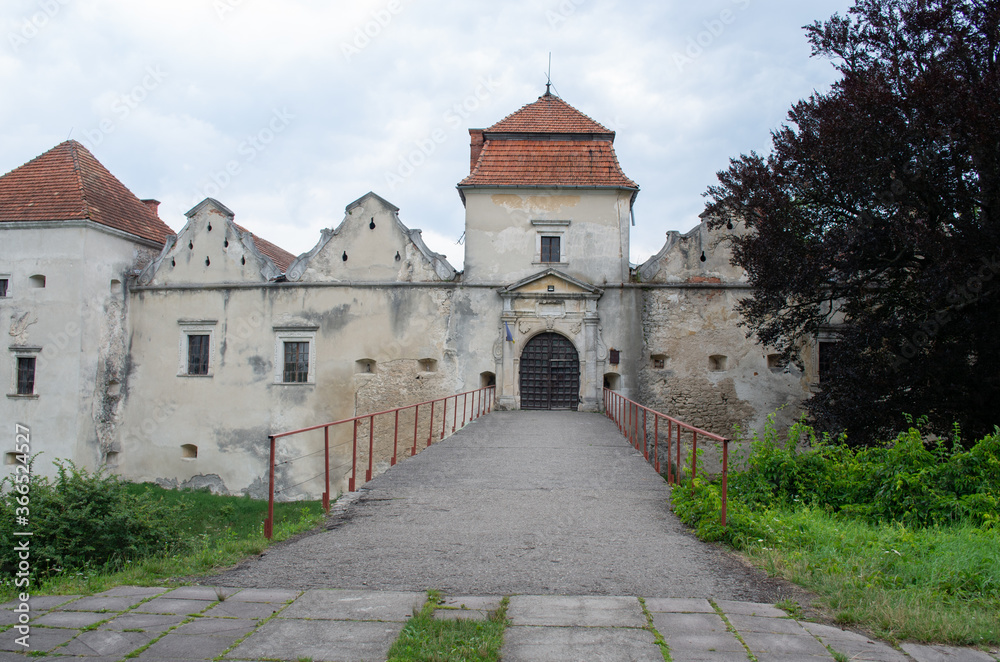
(509, 337)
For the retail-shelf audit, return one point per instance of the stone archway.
(550, 373)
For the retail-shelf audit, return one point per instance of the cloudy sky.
(288, 111)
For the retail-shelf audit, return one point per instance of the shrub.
(81, 519)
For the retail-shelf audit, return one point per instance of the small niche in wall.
(487, 379)
(10, 458)
(116, 286)
(428, 365)
(612, 380)
(717, 362)
(111, 458)
(365, 366)
(659, 361)
(38, 280)
(189, 451)
(776, 363)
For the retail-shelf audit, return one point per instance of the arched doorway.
(550, 373)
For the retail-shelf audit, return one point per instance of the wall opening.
(10, 458)
(776, 363)
(116, 286)
(717, 362)
(38, 281)
(189, 451)
(659, 361)
(487, 379)
(111, 458)
(612, 380)
(428, 365)
(365, 366)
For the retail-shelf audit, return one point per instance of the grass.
(429, 639)
(219, 530)
(933, 584)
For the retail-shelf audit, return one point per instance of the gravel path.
(516, 503)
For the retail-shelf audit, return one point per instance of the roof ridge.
(78, 172)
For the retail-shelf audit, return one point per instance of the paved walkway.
(198, 623)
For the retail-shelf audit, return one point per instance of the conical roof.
(549, 114)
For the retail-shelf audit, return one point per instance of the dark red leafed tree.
(877, 217)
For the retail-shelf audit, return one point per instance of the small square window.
(296, 363)
(659, 361)
(25, 375)
(3, 287)
(550, 249)
(198, 353)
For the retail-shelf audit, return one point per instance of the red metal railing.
(632, 420)
(473, 405)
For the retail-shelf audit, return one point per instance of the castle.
(170, 357)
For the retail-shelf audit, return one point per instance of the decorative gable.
(551, 283)
(371, 245)
(212, 249)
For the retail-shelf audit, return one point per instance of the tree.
(876, 215)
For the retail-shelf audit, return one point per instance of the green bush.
(82, 520)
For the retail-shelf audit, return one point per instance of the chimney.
(153, 206)
(476, 147)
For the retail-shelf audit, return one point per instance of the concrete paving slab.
(478, 602)
(322, 641)
(461, 614)
(106, 643)
(336, 604)
(130, 591)
(42, 602)
(218, 626)
(922, 653)
(696, 632)
(792, 657)
(584, 611)
(681, 605)
(8, 617)
(855, 646)
(749, 608)
(761, 643)
(102, 603)
(189, 647)
(71, 619)
(708, 656)
(146, 622)
(572, 644)
(210, 593)
(744, 623)
(229, 609)
(264, 595)
(172, 606)
(39, 639)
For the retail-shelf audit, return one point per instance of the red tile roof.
(281, 258)
(549, 114)
(548, 163)
(68, 183)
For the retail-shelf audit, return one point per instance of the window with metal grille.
(198, 352)
(550, 249)
(25, 375)
(296, 362)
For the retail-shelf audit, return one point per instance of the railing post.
(677, 467)
(670, 445)
(351, 484)
(656, 443)
(725, 478)
(454, 415)
(444, 420)
(416, 417)
(326, 466)
(371, 446)
(395, 439)
(465, 405)
(269, 522)
(645, 437)
(430, 430)
(694, 459)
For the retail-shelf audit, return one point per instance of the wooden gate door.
(550, 373)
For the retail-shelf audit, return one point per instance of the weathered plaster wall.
(75, 326)
(501, 242)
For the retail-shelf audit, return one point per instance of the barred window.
(25, 375)
(550, 249)
(198, 352)
(296, 362)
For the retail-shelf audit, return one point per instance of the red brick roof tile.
(68, 183)
(549, 114)
(548, 163)
(281, 258)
